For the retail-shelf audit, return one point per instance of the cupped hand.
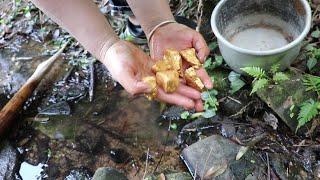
(128, 65)
(179, 37)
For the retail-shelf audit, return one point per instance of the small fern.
(280, 76)
(255, 72)
(275, 68)
(308, 111)
(259, 84)
(312, 83)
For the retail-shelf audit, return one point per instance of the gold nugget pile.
(169, 69)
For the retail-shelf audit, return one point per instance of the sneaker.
(133, 33)
(119, 8)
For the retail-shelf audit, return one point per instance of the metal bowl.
(260, 32)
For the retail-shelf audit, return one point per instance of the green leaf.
(311, 63)
(185, 115)
(207, 64)
(218, 60)
(236, 82)
(316, 34)
(316, 53)
(259, 84)
(208, 94)
(308, 111)
(310, 47)
(312, 83)
(275, 68)
(173, 126)
(255, 72)
(213, 45)
(291, 115)
(280, 76)
(209, 113)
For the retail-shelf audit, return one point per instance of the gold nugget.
(174, 59)
(190, 56)
(162, 65)
(151, 81)
(168, 80)
(193, 80)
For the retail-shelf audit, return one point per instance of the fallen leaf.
(271, 120)
(216, 170)
(241, 152)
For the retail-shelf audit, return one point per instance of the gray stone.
(106, 173)
(279, 164)
(178, 176)
(213, 153)
(79, 174)
(60, 108)
(171, 176)
(8, 160)
(282, 96)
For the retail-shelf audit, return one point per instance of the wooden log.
(12, 108)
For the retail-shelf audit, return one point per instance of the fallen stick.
(9, 111)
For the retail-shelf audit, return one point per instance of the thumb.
(201, 46)
(133, 85)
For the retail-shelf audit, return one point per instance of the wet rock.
(271, 120)
(89, 141)
(178, 176)
(18, 67)
(217, 154)
(106, 173)
(317, 171)
(171, 176)
(60, 108)
(285, 168)
(283, 96)
(173, 113)
(227, 128)
(120, 155)
(8, 160)
(231, 107)
(79, 174)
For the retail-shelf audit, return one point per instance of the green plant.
(210, 106)
(262, 79)
(212, 64)
(235, 81)
(310, 108)
(308, 111)
(312, 83)
(313, 56)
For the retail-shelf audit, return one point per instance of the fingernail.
(209, 85)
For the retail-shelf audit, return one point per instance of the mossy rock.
(281, 97)
(171, 176)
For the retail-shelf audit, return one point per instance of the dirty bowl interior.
(261, 25)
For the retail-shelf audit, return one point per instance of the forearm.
(150, 13)
(83, 20)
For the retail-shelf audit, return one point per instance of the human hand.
(179, 37)
(128, 65)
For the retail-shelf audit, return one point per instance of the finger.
(199, 105)
(201, 47)
(133, 85)
(205, 78)
(182, 81)
(188, 92)
(176, 99)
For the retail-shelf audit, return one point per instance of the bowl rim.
(292, 44)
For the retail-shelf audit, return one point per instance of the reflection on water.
(30, 172)
(114, 130)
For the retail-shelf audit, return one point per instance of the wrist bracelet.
(158, 26)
